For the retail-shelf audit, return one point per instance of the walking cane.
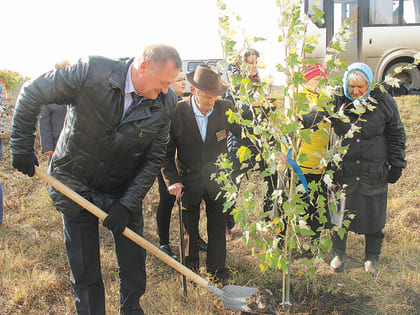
(182, 247)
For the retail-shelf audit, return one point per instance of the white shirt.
(202, 120)
(129, 88)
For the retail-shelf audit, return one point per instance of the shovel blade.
(234, 297)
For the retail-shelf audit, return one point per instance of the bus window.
(383, 12)
(390, 12)
(411, 11)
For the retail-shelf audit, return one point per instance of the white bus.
(386, 34)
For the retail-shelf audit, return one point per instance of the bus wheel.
(411, 77)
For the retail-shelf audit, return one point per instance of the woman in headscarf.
(375, 157)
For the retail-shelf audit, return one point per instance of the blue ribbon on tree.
(297, 170)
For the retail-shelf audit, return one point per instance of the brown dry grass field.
(34, 275)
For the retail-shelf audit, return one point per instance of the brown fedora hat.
(207, 78)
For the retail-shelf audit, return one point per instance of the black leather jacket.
(98, 155)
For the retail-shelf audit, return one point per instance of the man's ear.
(144, 66)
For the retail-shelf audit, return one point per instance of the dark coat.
(98, 155)
(50, 124)
(195, 160)
(364, 170)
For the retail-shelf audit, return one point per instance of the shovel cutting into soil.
(233, 297)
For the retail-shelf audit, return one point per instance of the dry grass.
(34, 276)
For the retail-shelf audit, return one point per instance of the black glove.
(25, 163)
(394, 174)
(117, 218)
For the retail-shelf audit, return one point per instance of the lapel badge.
(221, 135)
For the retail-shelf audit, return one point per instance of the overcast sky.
(36, 34)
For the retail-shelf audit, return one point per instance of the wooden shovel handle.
(127, 232)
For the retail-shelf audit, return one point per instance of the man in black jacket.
(110, 151)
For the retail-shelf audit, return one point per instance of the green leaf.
(283, 262)
(311, 272)
(243, 154)
(346, 223)
(398, 69)
(309, 48)
(341, 232)
(305, 134)
(259, 39)
(303, 157)
(293, 59)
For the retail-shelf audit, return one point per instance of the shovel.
(233, 296)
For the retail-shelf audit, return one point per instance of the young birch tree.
(276, 128)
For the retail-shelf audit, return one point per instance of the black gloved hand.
(117, 218)
(25, 163)
(394, 174)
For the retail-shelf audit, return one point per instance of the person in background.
(166, 200)
(374, 159)
(1, 154)
(3, 92)
(1, 190)
(51, 122)
(110, 151)
(179, 85)
(198, 136)
(250, 70)
(250, 58)
(316, 150)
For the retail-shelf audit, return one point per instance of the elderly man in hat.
(197, 137)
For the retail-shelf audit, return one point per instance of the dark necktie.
(137, 99)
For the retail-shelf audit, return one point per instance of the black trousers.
(82, 245)
(312, 209)
(270, 180)
(164, 211)
(373, 244)
(216, 227)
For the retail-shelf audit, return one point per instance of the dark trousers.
(164, 211)
(216, 226)
(82, 245)
(312, 209)
(270, 180)
(373, 244)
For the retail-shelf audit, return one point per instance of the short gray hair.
(357, 76)
(160, 54)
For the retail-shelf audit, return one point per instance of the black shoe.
(202, 245)
(167, 250)
(219, 277)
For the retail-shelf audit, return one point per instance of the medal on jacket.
(220, 135)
